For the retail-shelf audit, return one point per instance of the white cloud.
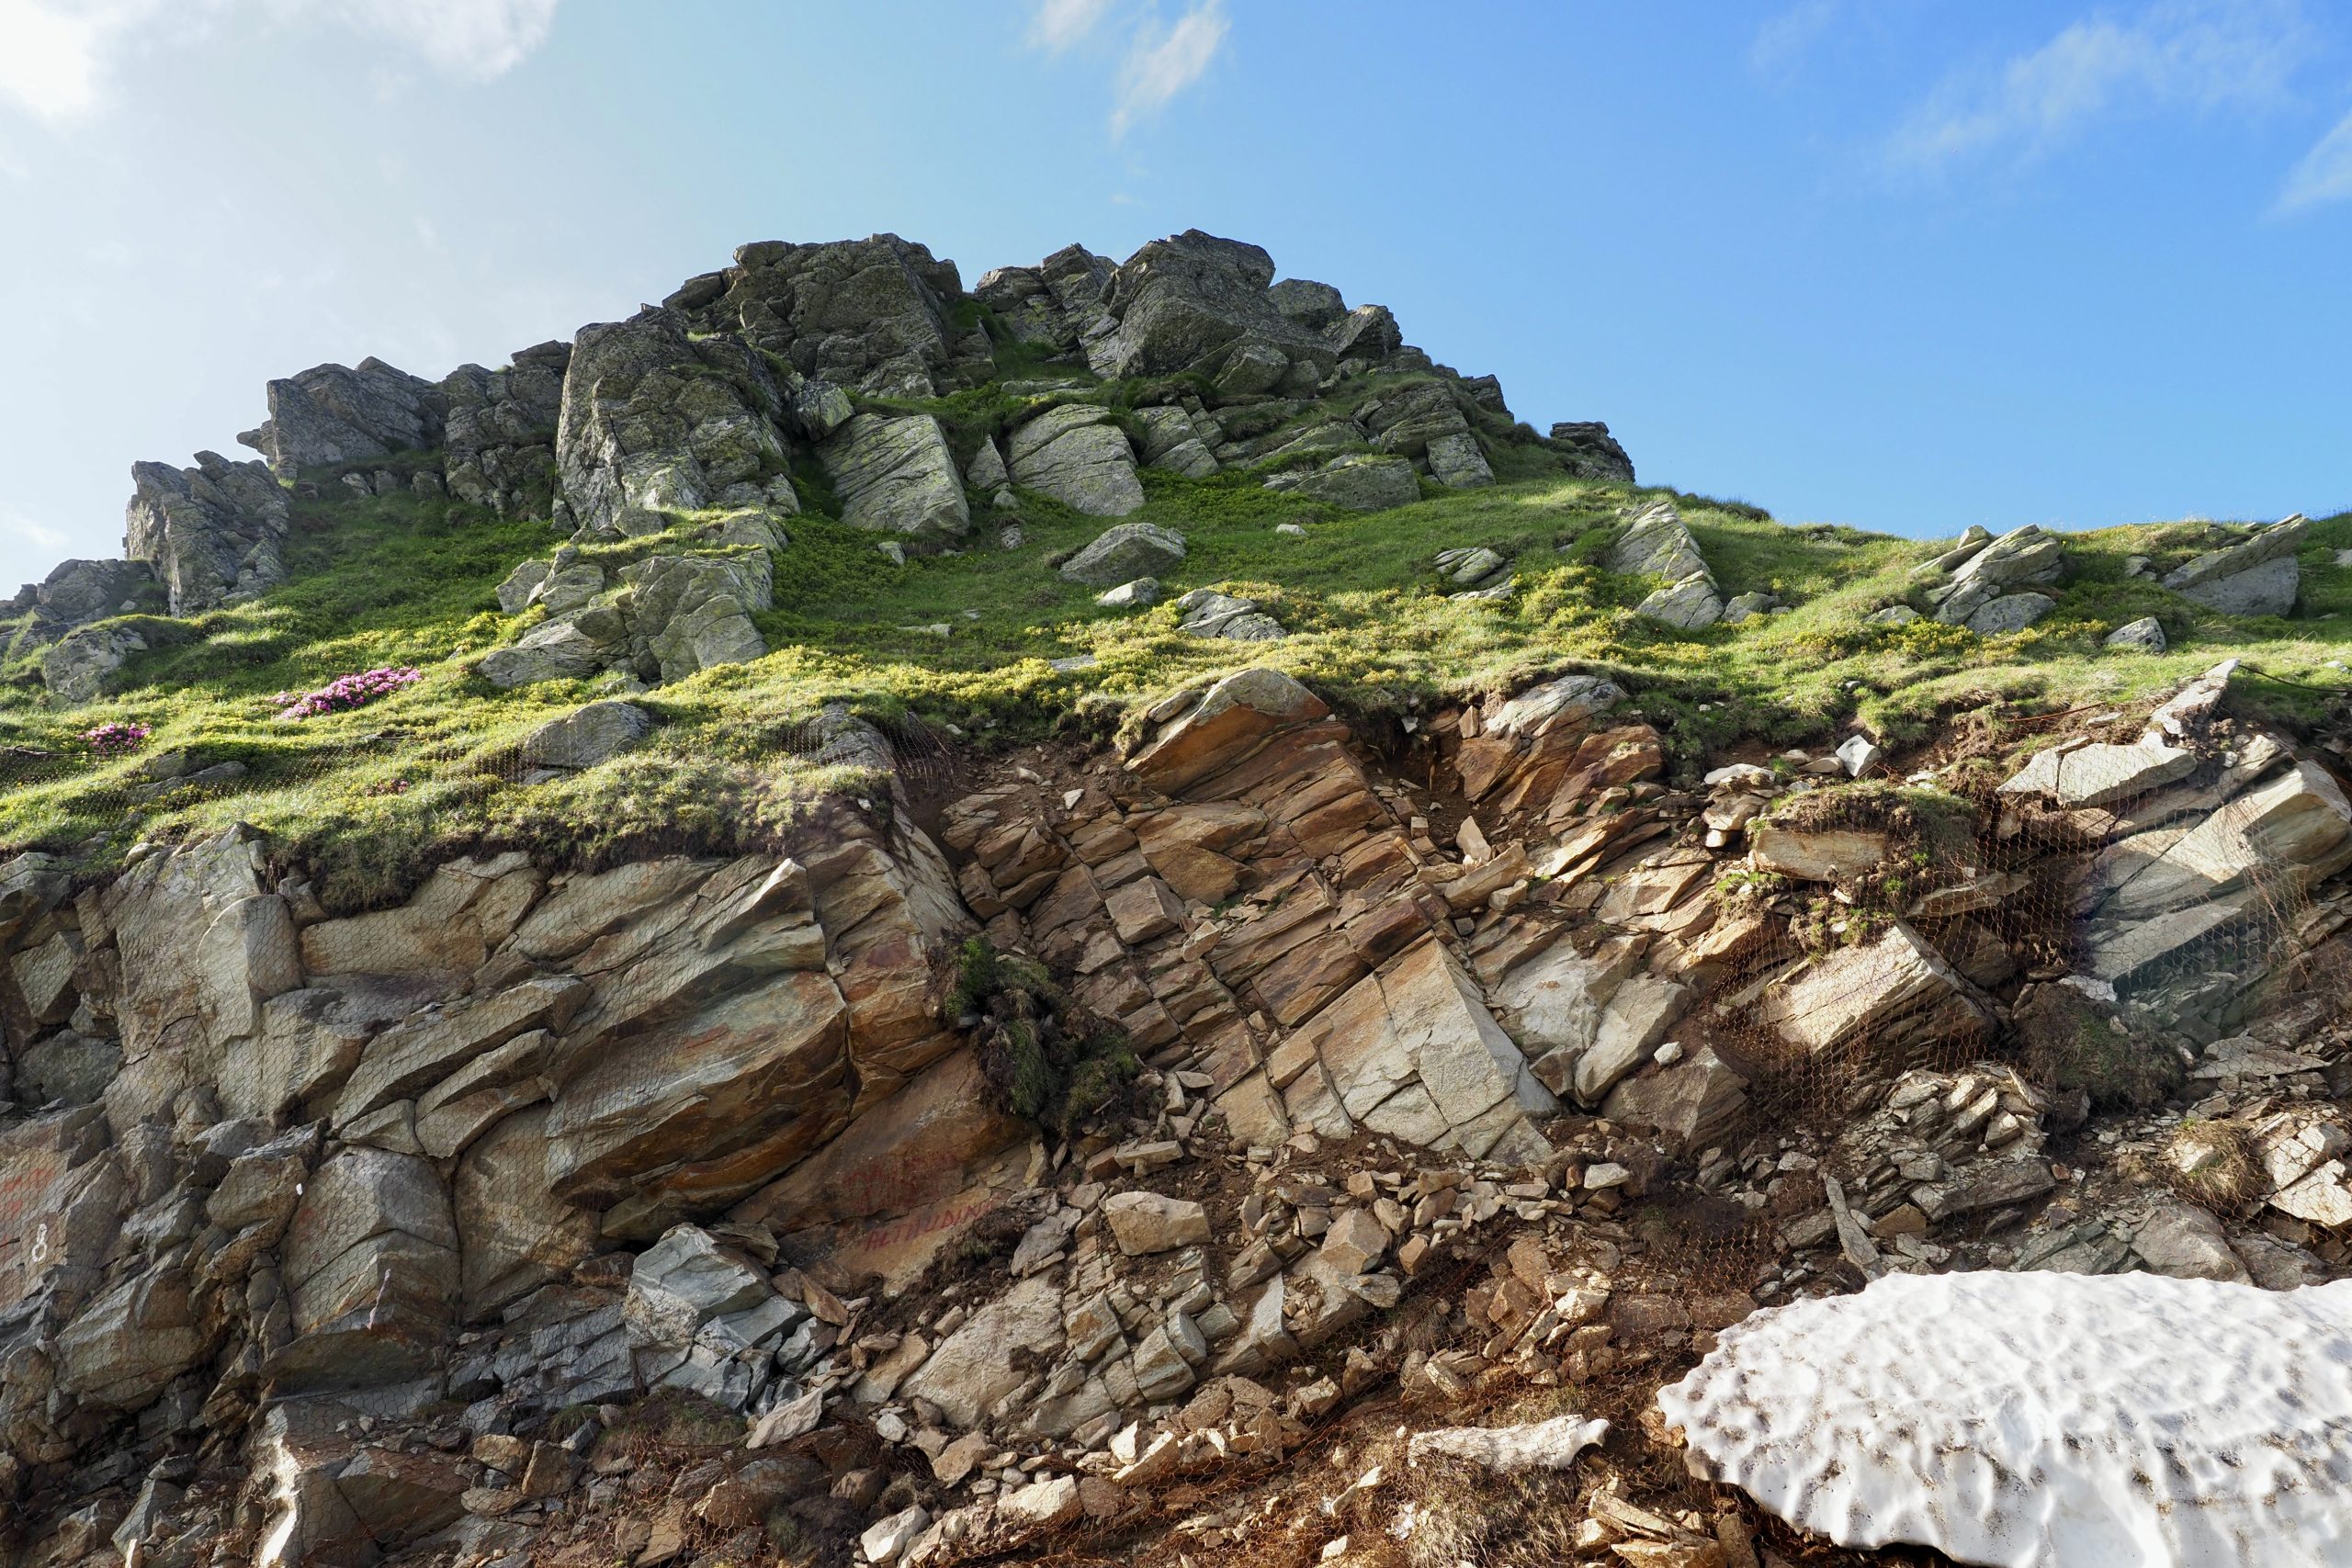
(51, 55)
(1163, 62)
(23, 529)
(2326, 173)
(1062, 23)
(2190, 54)
(56, 55)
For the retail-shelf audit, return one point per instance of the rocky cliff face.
(364, 1238)
(1297, 1129)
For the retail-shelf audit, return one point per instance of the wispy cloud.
(1058, 24)
(1783, 38)
(1163, 62)
(24, 530)
(2198, 55)
(2325, 174)
(56, 56)
(1158, 59)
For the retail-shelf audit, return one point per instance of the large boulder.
(77, 668)
(1126, 552)
(553, 651)
(210, 533)
(691, 613)
(2259, 577)
(331, 415)
(1078, 455)
(896, 475)
(587, 736)
(499, 443)
(1355, 482)
(656, 422)
(873, 314)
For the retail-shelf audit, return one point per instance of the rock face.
(654, 424)
(209, 534)
(77, 593)
(1078, 456)
(2259, 577)
(870, 314)
(896, 475)
(499, 430)
(333, 414)
(1196, 302)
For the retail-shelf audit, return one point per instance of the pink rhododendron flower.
(346, 692)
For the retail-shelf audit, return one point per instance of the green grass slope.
(366, 796)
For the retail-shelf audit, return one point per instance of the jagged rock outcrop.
(1196, 302)
(210, 533)
(1658, 542)
(77, 593)
(873, 314)
(1425, 419)
(499, 430)
(1592, 452)
(1986, 584)
(2260, 577)
(333, 414)
(1054, 304)
(656, 423)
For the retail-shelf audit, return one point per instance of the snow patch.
(2043, 1420)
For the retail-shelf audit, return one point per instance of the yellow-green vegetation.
(366, 796)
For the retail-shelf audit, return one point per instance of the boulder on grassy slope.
(2259, 577)
(896, 475)
(1986, 584)
(1078, 455)
(1656, 543)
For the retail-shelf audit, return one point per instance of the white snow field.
(2043, 1420)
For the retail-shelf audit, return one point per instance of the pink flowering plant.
(116, 739)
(348, 692)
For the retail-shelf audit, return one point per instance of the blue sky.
(1909, 263)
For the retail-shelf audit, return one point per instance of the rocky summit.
(1109, 915)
